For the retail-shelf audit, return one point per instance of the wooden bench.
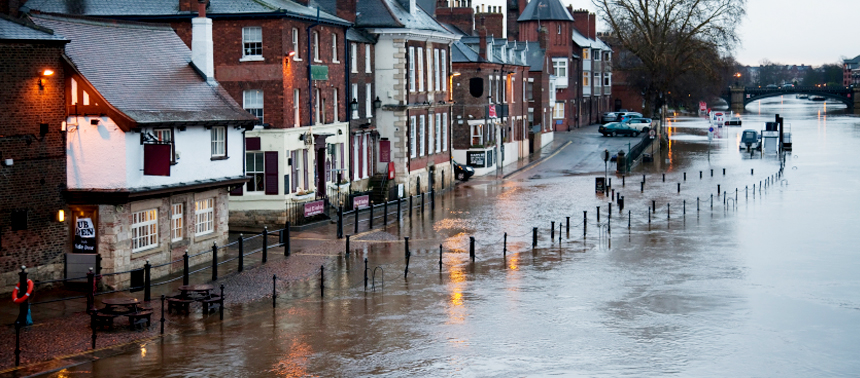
(104, 320)
(178, 304)
(141, 319)
(213, 303)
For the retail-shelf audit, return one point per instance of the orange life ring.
(26, 295)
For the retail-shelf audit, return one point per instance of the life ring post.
(22, 298)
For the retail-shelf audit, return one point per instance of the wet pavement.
(761, 284)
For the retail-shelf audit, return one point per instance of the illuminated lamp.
(291, 54)
(42, 81)
(61, 216)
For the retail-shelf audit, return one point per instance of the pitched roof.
(581, 40)
(389, 13)
(18, 30)
(161, 8)
(144, 71)
(463, 53)
(535, 56)
(356, 35)
(543, 10)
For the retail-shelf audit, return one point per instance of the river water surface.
(765, 283)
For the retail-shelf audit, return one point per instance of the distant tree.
(830, 74)
(672, 38)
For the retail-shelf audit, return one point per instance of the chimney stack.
(482, 41)
(543, 37)
(202, 50)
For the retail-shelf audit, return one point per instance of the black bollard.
(718, 190)
(406, 252)
(584, 222)
(355, 220)
(622, 181)
(385, 213)
(653, 206)
(684, 211)
(365, 273)
(679, 187)
(147, 282)
(18, 342)
(422, 203)
(712, 172)
(162, 314)
(628, 218)
(347, 245)
(568, 227)
(221, 307)
(472, 248)
(287, 246)
(724, 171)
(736, 194)
(649, 217)
(700, 175)
(265, 245)
(370, 220)
(215, 261)
(751, 171)
(322, 281)
(93, 326)
(643, 178)
(410, 206)
(668, 214)
(440, 258)
(339, 222)
(642, 187)
(534, 237)
(185, 270)
(598, 214)
(620, 203)
(712, 201)
(504, 244)
(559, 234)
(697, 204)
(241, 243)
(609, 213)
(274, 290)
(551, 231)
(664, 177)
(685, 176)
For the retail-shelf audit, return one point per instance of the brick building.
(489, 128)
(285, 63)
(32, 152)
(851, 71)
(596, 67)
(412, 77)
(153, 144)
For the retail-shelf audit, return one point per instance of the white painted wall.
(511, 152)
(546, 138)
(95, 155)
(105, 157)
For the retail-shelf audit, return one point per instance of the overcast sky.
(785, 31)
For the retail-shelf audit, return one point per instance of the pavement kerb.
(538, 161)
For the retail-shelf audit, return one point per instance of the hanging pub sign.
(85, 236)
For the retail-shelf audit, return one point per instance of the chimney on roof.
(482, 40)
(543, 37)
(202, 50)
(409, 5)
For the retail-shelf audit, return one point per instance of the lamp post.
(605, 167)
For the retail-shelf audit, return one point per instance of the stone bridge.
(739, 97)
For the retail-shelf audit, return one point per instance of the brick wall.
(38, 175)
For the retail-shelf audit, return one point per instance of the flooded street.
(764, 283)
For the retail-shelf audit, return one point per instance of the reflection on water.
(764, 288)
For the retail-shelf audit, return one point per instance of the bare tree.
(671, 38)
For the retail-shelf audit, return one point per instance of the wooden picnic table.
(129, 307)
(197, 292)
(121, 306)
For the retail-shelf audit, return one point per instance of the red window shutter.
(156, 159)
(238, 191)
(294, 157)
(271, 172)
(360, 156)
(252, 144)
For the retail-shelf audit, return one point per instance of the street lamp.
(605, 167)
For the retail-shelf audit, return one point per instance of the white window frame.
(436, 69)
(368, 105)
(558, 110)
(444, 70)
(144, 230)
(413, 151)
(586, 52)
(335, 105)
(596, 54)
(421, 69)
(411, 68)
(353, 60)
(355, 153)
(477, 132)
(438, 133)
(559, 64)
(444, 131)
(317, 106)
(422, 135)
(296, 106)
(252, 39)
(365, 147)
(334, 48)
(218, 141)
(204, 213)
(176, 222)
(598, 82)
(368, 68)
(253, 171)
(354, 97)
(296, 47)
(252, 102)
(585, 79)
(316, 47)
(74, 92)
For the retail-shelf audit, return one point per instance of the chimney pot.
(201, 8)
